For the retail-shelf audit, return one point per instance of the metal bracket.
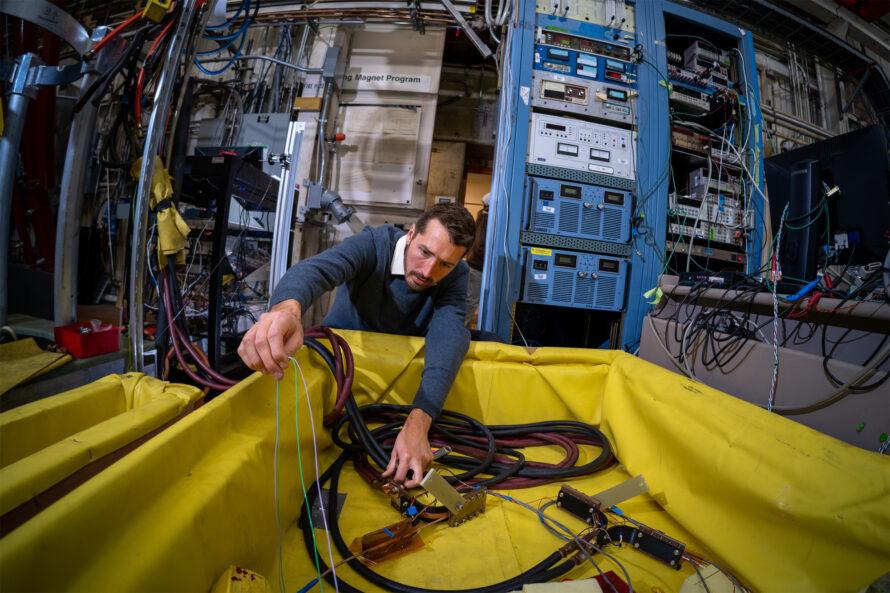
(463, 508)
(333, 68)
(23, 75)
(52, 18)
(417, 23)
(483, 49)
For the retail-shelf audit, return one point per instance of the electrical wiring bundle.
(478, 458)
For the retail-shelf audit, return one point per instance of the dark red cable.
(176, 335)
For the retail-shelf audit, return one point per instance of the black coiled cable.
(457, 427)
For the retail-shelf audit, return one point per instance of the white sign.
(368, 80)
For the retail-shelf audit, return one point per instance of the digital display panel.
(559, 54)
(570, 191)
(617, 95)
(611, 197)
(556, 127)
(608, 265)
(545, 195)
(615, 65)
(564, 260)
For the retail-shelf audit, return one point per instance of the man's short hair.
(456, 219)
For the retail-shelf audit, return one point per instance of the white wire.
(502, 18)
(581, 543)
(772, 389)
(324, 518)
(195, 251)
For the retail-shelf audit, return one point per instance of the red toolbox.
(83, 344)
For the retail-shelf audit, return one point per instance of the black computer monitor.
(859, 165)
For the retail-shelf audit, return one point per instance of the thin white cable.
(508, 8)
(772, 389)
(195, 251)
(324, 518)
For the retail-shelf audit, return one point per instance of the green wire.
(679, 239)
(302, 480)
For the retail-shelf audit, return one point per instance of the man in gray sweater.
(412, 283)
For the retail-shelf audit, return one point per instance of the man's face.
(430, 256)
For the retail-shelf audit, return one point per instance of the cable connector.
(833, 192)
(572, 547)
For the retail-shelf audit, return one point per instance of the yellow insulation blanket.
(781, 506)
(23, 360)
(46, 441)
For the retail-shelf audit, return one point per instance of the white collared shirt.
(398, 257)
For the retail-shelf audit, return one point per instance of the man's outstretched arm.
(279, 333)
(446, 346)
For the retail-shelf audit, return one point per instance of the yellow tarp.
(46, 441)
(23, 360)
(782, 507)
(173, 231)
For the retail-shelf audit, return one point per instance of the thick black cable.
(100, 85)
(544, 571)
(371, 442)
(828, 356)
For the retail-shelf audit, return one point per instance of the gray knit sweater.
(373, 299)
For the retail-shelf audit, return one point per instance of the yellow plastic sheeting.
(788, 508)
(177, 512)
(23, 360)
(46, 441)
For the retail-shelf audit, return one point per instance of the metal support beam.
(859, 86)
(138, 260)
(52, 18)
(19, 93)
(71, 193)
(793, 122)
(284, 210)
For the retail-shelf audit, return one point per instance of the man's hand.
(411, 449)
(277, 335)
